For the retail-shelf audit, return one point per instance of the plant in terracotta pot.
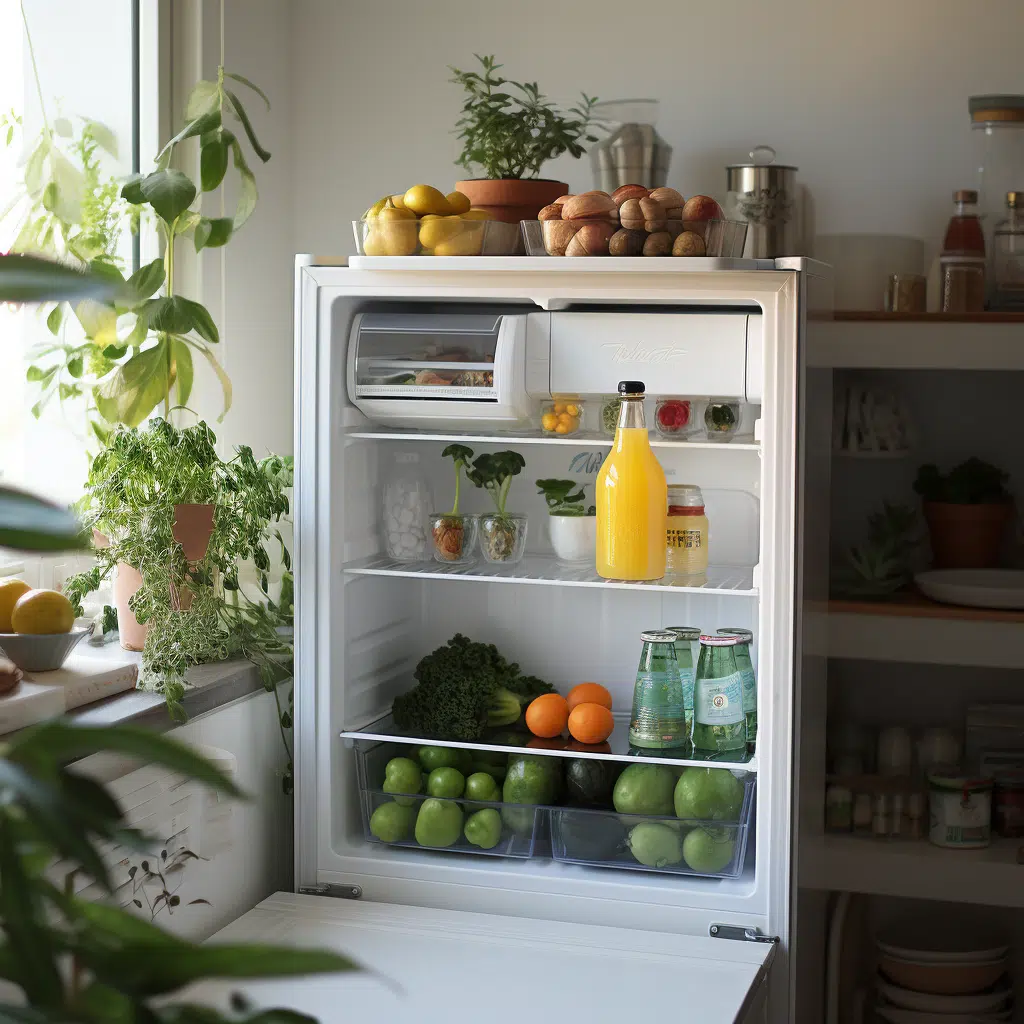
(967, 511)
(573, 525)
(454, 533)
(502, 534)
(509, 130)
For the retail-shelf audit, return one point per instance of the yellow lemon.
(399, 201)
(373, 243)
(459, 202)
(42, 611)
(10, 590)
(436, 230)
(423, 199)
(376, 208)
(476, 215)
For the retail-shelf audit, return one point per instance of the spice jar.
(960, 809)
(721, 419)
(673, 417)
(686, 532)
(561, 416)
(962, 284)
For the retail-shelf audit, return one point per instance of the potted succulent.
(502, 534)
(454, 533)
(884, 563)
(573, 525)
(967, 511)
(510, 130)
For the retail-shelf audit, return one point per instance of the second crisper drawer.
(704, 354)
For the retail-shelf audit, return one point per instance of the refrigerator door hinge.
(733, 931)
(339, 892)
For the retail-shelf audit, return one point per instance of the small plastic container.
(454, 537)
(503, 537)
(721, 419)
(561, 417)
(673, 418)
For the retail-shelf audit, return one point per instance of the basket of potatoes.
(634, 221)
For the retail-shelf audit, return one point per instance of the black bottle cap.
(631, 387)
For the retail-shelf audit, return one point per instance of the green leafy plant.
(509, 129)
(494, 473)
(883, 564)
(973, 482)
(563, 498)
(80, 962)
(460, 455)
(134, 484)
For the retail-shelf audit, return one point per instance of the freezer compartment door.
(444, 966)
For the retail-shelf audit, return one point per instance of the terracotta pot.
(126, 582)
(193, 526)
(512, 199)
(967, 536)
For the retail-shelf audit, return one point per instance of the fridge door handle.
(733, 931)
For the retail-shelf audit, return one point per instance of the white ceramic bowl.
(951, 979)
(929, 1002)
(41, 652)
(894, 1015)
(941, 941)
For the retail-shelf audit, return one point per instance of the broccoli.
(463, 688)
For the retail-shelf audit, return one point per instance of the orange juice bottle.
(632, 498)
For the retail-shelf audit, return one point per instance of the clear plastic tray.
(458, 237)
(602, 839)
(522, 824)
(722, 238)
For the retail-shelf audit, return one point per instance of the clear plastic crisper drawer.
(642, 842)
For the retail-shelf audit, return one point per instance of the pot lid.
(764, 156)
(996, 108)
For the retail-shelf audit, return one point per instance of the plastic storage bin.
(607, 839)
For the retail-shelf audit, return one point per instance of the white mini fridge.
(534, 928)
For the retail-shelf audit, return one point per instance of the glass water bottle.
(686, 636)
(1008, 256)
(658, 721)
(718, 721)
(746, 667)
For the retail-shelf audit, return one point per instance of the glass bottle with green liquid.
(746, 667)
(718, 720)
(686, 636)
(658, 721)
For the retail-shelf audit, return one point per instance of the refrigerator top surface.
(446, 966)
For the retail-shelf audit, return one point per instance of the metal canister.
(633, 153)
(765, 195)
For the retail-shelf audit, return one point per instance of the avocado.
(589, 781)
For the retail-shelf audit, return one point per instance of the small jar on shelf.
(610, 415)
(503, 537)
(721, 419)
(673, 418)
(454, 536)
(561, 416)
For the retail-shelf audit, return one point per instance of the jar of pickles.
(562, 415)
(686, 532)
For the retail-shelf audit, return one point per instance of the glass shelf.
(547, 570)
(579, 440)
(616, 749)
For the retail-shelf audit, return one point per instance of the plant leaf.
(131, 190)
(252, 85)
(247, 193)
(99, 322)
(25, 278)
(169, 192)
(198, 126)
(213, 162)
(169, 314)
(205, 96)
(135, 388)
(104, 136)
(146, 281)
(37, 375)
(53, 321)
(202, 322)
(239, 110)
(225, 380)
(184, 370)
(28, 523)
(211, 234)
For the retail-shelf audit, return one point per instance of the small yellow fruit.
(459, 202)
(373, 243)
(10, 590)
(565, 418)
(549, 421)
(399, 201)
(476, 215)
(375, 209)
(398, 231)
(423, 199)
(436, 230)
(561, 429)
(558, 408)
(42, 611)
(572, 410)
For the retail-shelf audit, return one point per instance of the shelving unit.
(912, 869)
(546, 570)
(581, 440)
(910, 628)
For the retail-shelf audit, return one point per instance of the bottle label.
(719, 701)
(749, 689)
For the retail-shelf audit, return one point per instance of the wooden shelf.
(878, 316)
(915, 869)
(917, 606)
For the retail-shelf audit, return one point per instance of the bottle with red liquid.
(964, 235)
(962, 263)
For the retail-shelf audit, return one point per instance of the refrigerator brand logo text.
(639, 354)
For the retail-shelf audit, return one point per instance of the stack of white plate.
(931, 975)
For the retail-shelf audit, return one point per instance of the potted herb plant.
(509, 130)
(967, 511)
(502, 534)
(573, 525)
(454, 533)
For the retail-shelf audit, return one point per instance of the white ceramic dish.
(41, 652)
(894, 1015)
(975, 588)
(925, 1002)
(952, 979)
(941, 940)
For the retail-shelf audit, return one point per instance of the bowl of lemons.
(37, 627)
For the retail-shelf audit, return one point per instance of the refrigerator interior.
(378, 618)
(925, 682)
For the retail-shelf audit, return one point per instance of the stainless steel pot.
(633, 153)
(765, 194)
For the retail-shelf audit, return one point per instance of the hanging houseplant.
(510, 130)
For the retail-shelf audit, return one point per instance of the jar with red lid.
(673, 417)
(686, 532)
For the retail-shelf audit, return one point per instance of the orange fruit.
(546, 716)
(589, 693)
(591, 723)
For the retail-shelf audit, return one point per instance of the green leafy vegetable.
(463, 688)
(460, 455)
(494, 474)
(973, 482)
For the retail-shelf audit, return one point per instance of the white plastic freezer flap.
(448, 967)
(700, 354)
